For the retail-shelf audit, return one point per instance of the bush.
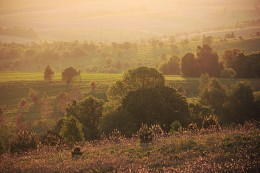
(115, 136)
(192, 127)
(175, 126)
(145, 134)
(33, 94)
(120, 120)
(157, 130)
(51, 139)
(198, 112)
(210, 121)
(89, 112)
(71, 130)
(241, 106)
(24, 141)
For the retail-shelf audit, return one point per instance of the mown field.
(228, 150)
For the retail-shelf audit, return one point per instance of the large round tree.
(161, 105)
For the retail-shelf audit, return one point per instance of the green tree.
(48, 74)
(213, 93)
(88, 111)
(161, 105)
(189, 66)
(171, 67)
(118, 119)
(143, 77)
(241, 106)
(69, 74)
(208, 61)
(133, 79)
(71, 130)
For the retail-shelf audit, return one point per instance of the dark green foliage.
(145, 134)
(2, 148)
(171, 67)
(48, 74)
(143, 77)
(214, 94)
(210, 121)
(133, 79)
(24, 141)
(119, 119)
(88, 111)
(69, 74)
(175, 126)
(189, 66)
(245, 66)
(208, 61)
(241, 106)
(198, 111)
(71, 130)
(161, 105)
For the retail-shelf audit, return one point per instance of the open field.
(15, 85)
(228, 150)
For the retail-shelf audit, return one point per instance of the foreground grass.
(228, 150)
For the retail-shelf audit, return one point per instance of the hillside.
(228, 150)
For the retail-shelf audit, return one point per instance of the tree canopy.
(161, 105)
(69, 74)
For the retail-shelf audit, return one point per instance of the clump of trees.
(206, 61)
(232, 104)
(142, 97)
(245, 66)
(171, 67)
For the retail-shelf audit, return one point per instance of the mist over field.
(117, 20)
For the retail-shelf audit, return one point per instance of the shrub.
(210, 121)
(241, 106)
(24, 141)
(145, 134)
(192, 127)
(71, 130)
(51, 139)
(34, 96)
(175, 126)
(115, 136)
(89, 112)
(157, 130)
(119, 119)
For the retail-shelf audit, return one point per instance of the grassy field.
(227, 150)
(15, 85)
